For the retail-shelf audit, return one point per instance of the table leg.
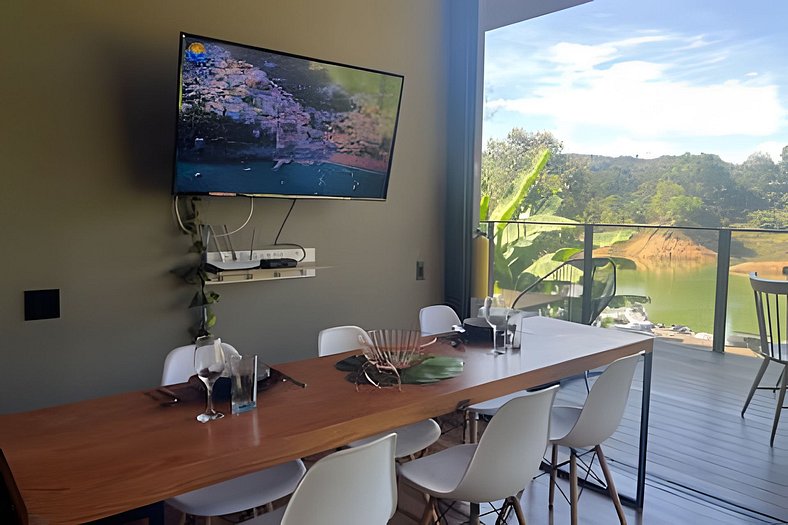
(644, 410)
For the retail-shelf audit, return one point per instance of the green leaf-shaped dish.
(432, 370)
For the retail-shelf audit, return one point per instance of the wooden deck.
(700, 449)
(706, 465)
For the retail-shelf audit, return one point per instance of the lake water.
(685, 296)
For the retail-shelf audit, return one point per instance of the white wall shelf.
(304, 268)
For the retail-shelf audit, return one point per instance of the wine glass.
(495, 313)
(209, 365)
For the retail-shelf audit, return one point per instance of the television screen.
(258, 122)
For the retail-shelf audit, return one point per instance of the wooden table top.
(87, 460)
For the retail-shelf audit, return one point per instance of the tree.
(504, 160)
(671, 205)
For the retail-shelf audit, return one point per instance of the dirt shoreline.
(663, 248)
(767, 269)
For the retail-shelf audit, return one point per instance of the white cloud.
(639, 99)
(773, 148)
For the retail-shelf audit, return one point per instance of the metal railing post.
(491, 258)
(721, 295)
(588, 269)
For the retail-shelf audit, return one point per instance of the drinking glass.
(495, 313)
(209, 365)
(243, 393)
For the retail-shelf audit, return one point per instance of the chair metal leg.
(755, 383)
(573, 487)
(553, 470)
(611, 487)
(778, 409)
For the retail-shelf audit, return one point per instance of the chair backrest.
(603, 286)
(566, 282)
(771, 307)
(340, 339)
(179, 364)
(510, 450)
(355, 486)
(437, 319)
(605, 404)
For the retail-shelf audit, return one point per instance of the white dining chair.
(412, 438)
(437, 319)
(771, 309)
(237, 494)
(588, 426)
(499, 467)
(355, 486)
(179, 364)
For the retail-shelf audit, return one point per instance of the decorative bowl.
(393, 348)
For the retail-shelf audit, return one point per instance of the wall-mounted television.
(258, 122)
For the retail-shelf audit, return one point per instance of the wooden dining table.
(83, 461)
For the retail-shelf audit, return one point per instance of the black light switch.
(42, 304)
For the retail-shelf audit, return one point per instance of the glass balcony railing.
(688, 283)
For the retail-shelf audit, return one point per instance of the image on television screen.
(258, 122)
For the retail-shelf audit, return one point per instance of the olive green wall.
(87, 100)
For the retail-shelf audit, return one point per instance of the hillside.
(659, 248)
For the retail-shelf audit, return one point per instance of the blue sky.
(645, 77)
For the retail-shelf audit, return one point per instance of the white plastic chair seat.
(563, 420)
(503, 462)
(439, 473)
(492, 406)
(437, 319)
(269, 518)
(242, 493)
(590, 425)
(355, 486)
(410, 438)
(179, 364)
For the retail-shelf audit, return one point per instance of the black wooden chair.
(771, 308)
(571, 303)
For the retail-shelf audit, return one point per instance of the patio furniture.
(771, 308)
(566, 283)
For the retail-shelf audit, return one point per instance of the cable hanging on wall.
(227, 234)
(276, 240)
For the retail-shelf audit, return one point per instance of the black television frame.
(283, 195)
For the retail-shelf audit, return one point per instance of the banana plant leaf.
(505, 211)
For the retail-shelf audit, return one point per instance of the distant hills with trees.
(683, 190)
